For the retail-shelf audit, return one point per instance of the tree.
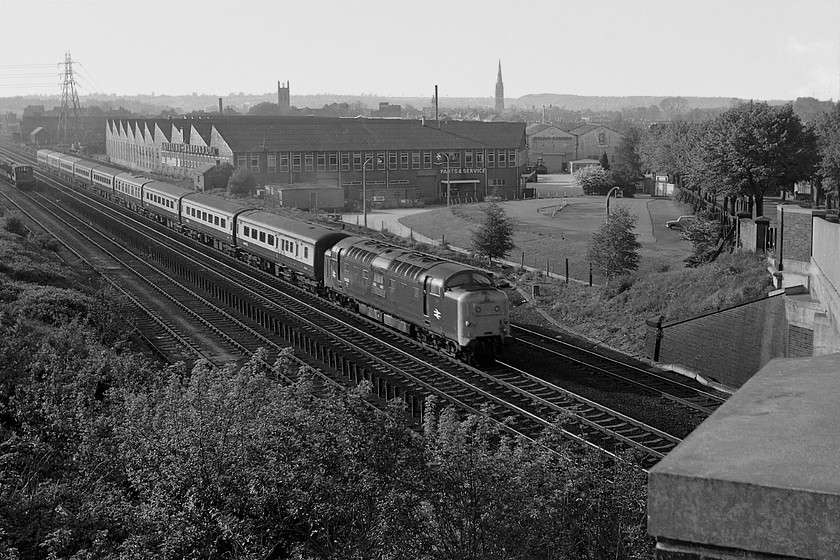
(627, 166)
(266, 108)
(614, 248)
(494, 238)
(755, 149)
(828, 138)
(704, 236)
(605, 162)
(594, 179)
(241, 182)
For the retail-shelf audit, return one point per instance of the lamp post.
(364, 185)
(448, 173)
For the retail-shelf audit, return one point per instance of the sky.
(750, 49)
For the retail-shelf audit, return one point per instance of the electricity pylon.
(71, 132)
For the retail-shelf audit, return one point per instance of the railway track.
(351, 348)
(693, 397)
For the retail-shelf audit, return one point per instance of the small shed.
(576, 164)
(307, 196)
(200, 175)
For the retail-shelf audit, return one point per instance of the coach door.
(427, 288)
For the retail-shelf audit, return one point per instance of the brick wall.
(728, 346)
(795, 234)
(800, 342)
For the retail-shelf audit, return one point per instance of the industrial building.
(394, 161)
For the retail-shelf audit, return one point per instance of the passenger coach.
(285, 247)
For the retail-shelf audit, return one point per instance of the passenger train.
(448, 306)
(17, 174)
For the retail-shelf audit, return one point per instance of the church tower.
(500, 91)
(283, 98)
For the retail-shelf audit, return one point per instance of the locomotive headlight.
(478, 309)
(497, 309)
(467, 324)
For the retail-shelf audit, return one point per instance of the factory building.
(397, 161)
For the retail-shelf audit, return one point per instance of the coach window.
(215, 220)
(223, 223)
(262, 237)
(253, 234)
(246, 231)
(271, 240)
(204, 216)
(306, 252)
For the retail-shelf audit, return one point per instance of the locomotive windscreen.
(468, 278)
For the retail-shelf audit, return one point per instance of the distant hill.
(153, 105)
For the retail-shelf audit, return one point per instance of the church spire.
(500, 91)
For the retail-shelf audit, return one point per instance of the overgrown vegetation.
(615, 313)
(103, 455)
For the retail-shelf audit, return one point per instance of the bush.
(13, 224)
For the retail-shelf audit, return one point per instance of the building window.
(511, 158)
(255, 163)
(496, 182)
(502, 158)
(357, 161)
(491, 158)
(403, 160)
(345, 161)
(308, 161)
(284, 162)
(272, 163)
(241, 161)
(296, 162)
(333, 161)
(468, 159)
(427, 160)
(322, 162)
(392, 160)
(415, 160)
(479, 158)
(369, 161)
(380, 161)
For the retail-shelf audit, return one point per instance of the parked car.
(680, 222)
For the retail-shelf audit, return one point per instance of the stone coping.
(762, 474)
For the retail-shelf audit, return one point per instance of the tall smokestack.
(220, 107)
(436, 107)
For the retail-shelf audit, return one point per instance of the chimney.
(220, 107)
